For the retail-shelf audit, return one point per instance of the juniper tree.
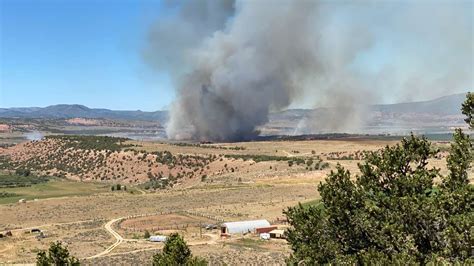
(57, 255)
(468, 109)
(176, 252)
(392, 212)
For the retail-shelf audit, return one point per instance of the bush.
(146, 235)
(176, 252)
(56, 255)
(22, 172)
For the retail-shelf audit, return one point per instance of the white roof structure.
(244, 226)
(157, 238)
(277, 232)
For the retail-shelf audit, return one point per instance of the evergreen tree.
(57, 255)
(468, 109)
(176, 252)
(392, 213)
(146, 235)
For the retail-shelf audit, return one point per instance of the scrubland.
(171, 187)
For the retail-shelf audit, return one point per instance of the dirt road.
(118, 237)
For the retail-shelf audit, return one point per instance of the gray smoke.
(33, 135)
(234, 62)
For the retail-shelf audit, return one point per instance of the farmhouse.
(243, 227)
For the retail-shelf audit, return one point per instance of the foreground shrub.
(176, 252)
(57, 255)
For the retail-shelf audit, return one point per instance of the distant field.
(13, 180)
(53, 189)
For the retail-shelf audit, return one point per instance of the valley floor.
(104, 227)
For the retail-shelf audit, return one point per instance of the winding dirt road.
(119, 240)
(118, 237)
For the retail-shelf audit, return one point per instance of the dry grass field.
(259, 187)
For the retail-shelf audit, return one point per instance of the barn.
(243, 227)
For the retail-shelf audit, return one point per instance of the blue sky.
(90, 52)
(77, 51)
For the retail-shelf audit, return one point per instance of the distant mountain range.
(65, 111)
(447, 105)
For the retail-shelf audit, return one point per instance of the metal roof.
(157, 238)
(244, 226)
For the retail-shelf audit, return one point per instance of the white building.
(157, 238)
(243, 226)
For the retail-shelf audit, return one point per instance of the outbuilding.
(157, 238)
(277, 233)
(243, 227)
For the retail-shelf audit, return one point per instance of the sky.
(90, 52)
(78, 51)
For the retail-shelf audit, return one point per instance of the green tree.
(392, 213)
(176, 252)
(57, 255)
(146, 235)
(23, 172)
(118, 187)
(468, 109)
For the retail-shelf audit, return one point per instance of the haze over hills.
(446, 105)
(434, 116)
(75, 110)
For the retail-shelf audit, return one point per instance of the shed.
(277, 233)
(243, 226)
(157, 238)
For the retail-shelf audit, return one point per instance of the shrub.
(176, 252)
(146, 235)
(56, 255)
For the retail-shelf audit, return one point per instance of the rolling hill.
(447, 105)
(438, 115)
(66, 111)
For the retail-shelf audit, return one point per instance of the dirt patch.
(163, 222)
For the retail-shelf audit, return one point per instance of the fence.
(171, 227)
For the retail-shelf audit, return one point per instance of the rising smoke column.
(243, 72)
(234, 62)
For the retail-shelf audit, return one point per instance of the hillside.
(440, 115)
(66, 111)
(94, 158)
(446, 105)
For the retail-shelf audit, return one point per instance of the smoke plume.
(235, 62)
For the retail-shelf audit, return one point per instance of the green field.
(51, 189)
(14, 180)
